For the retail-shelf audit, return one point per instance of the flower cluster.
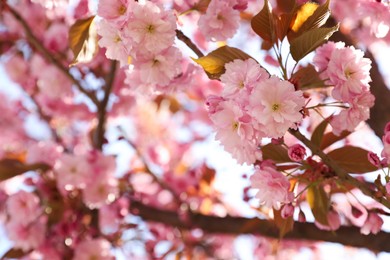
(346, 70)
(252, 106)
(141, 34)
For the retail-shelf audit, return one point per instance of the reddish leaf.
(331, 138)
(10, 168)
(214, 62)
(263, 24)
(307, 78)
(319, 203)
(83, 40)
(275, 152)
(317, 19)
(14, 253)
(352, 159)
(318, 133)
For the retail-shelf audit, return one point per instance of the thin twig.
(341, 173)
(102, 107)
(180, 35)
(49, 56)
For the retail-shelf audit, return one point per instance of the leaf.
(214, 62)
(10, 168)
(330, 138)
(309, 41)
(317, 19)
(275, 152)
(262, 23)
(83, 40)
(284, 225)
(318, 132)
(307, 78)
(304, 12)
(14, 253)
(285, 6)
(352, 159)
(319, 203)
(202, 6)
(283, 24)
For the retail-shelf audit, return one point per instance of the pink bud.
(287, 210)
(212, 103)
(296, 152)
(374, 159)
(387, 128)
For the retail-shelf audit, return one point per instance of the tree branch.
(180, 35)
(102, 107)
(49, 56)
(349, 236)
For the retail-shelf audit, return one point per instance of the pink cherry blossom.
(97, 249)
(273, 187)
(374, 159)
(386, 147)
(71, 172)
(276, 106)
(113, 10)
(333, 219)
(160, 68)
(323, 54)
(151, 28)
(296, 152)
(220, 22)
(373, 224)
(241, 76)
(26, 236)
(23, 207)
(112, 40)
(349, 72)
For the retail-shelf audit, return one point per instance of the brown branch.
(341, 173)
(349, 236)
(102, 107)
(49, 56)
(180, 35)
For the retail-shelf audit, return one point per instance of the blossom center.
(150, 28)
(235, 126)
(275, 107)
(122, 10)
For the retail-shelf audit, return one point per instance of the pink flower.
(97, 249)
(56, 37)
(373, 224)
(273, 187)
(160, 68)
(26, 236)
(276, 106)
(296, 152)
(113, 10)
(349, 72)
(324, 53)
(241, 76)
(151, 28)
(100, 191)
(23, 207)
(71, 172)
(287, 210)
(348, 119)
(386, 146)
(220, 22)
(235, 132)
(112, 40)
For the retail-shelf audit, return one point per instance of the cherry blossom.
(93, 249)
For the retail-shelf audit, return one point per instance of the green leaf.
(318, 133)
(214, 62)
(309, 41)
(275, 152)
(330, 138)
(10, 168)
(83, 40)
(263, 24)
(319, 203)
(284, 225)
(352, 159)
(307, 78)
(317, 19)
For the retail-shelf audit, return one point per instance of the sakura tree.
(109, 109)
